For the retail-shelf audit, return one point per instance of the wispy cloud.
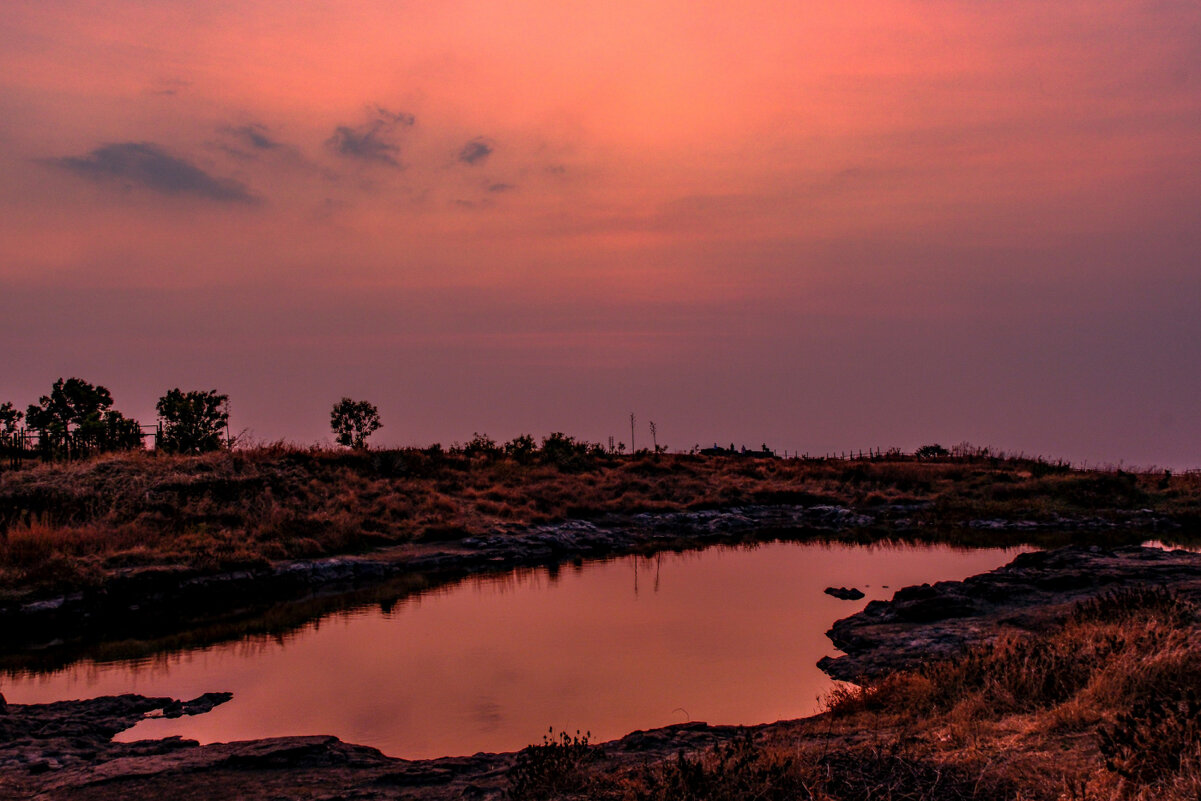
(476, 151)
(374, 140)
(251, 142)
(255, 136)
(148, 165)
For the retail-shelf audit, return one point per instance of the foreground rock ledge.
(65, 750)
(1036, 589)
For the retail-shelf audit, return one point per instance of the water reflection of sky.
(725, 635)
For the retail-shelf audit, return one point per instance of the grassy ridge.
(67, 523)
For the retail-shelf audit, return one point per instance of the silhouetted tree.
(931, 451)
(76, 418)
(10, 417)
(353, 421)
(192, 421)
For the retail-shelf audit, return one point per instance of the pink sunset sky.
(819, 225)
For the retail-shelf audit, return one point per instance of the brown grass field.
(67, 523)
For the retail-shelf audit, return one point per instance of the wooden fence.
(23, 444)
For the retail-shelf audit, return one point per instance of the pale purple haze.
(822, 226)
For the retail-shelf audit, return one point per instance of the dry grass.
(70, 522)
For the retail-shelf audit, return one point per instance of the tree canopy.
(10, 417)
(192, 421)
(77, 418)
(353, 421)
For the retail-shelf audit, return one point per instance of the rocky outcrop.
(38, 738)
(935, 621)
(65, 751)
(844, 593)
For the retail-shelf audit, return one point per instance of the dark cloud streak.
(475, 152)
(148, 165)
(372, 141)
(255, 136)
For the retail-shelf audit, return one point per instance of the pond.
(724, 635)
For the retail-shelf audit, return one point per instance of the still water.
(725, 635)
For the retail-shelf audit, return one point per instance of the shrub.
(563, 451)
(521, 449)
(481, 445)
(554, 767)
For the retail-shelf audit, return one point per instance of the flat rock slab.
(930, 622)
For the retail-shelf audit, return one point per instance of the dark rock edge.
(1037, 589)
(156, 601)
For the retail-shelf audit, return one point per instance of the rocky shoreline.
(65, 749)
(151, 601)
(132, 601)
(1036, 589)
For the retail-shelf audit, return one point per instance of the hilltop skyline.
(873, 224)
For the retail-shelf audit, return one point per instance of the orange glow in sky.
(819, 225)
